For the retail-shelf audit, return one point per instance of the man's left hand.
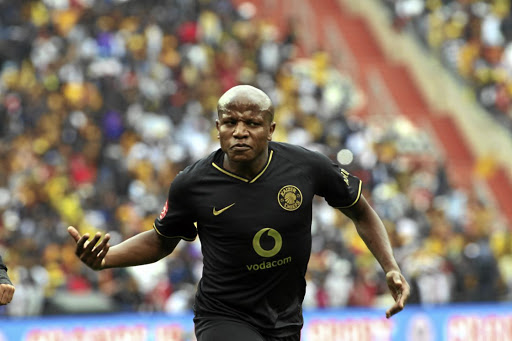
(6, 293)
(400, 291)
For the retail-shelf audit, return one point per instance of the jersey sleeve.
(339, 188)
(2, 265)
(4, 278)
(176, 220)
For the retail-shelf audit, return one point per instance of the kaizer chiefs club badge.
(289, 198)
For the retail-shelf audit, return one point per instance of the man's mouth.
(240, 147)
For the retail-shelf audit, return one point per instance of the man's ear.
(271, 131)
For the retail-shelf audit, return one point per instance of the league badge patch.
(164, 210)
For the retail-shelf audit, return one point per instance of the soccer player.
(250, 203)
(6, 287)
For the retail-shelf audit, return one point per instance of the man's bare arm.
(143, 248)
(374, 234)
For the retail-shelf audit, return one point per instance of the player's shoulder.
(196, 170)
(295, 153)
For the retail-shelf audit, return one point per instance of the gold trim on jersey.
(163, 235)
(244, 179)
(358, 196)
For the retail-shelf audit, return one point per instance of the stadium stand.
(469, 42)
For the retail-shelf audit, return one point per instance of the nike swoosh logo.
(215, 212)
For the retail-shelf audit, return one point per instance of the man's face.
(244, 133)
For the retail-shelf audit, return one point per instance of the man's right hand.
(89, 253)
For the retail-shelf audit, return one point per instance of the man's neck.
(247, 170)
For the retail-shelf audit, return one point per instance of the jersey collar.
(244, 179)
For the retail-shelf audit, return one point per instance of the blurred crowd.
(473, 38)
(102, 103)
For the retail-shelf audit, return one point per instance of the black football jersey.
(255, 234)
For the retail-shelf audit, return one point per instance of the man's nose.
(240, 130)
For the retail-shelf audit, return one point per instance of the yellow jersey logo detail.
(289, 198)
(345, 174)
(215, 212)
(271, 233)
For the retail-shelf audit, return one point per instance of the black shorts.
(229, 330)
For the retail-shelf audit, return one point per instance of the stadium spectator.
(473, 39)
